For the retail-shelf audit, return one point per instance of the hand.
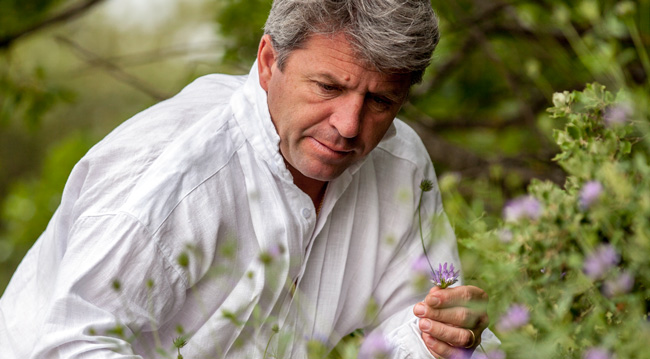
(446, 318)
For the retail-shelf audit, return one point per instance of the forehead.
(333, 57)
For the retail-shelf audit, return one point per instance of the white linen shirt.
(185, 219)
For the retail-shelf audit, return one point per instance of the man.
(248, 215)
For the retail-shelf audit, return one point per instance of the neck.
(315, 189)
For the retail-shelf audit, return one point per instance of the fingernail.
(419, 309)
(425, 324)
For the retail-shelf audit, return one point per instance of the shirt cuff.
(408, 344)
(407, 341)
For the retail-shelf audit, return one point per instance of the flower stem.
(424, 248)
(268, 344)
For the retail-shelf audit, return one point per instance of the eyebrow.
(390, 95)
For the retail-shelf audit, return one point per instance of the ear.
(265, 61)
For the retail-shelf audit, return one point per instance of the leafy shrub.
(567, 270)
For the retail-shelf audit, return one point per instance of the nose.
(347, 115)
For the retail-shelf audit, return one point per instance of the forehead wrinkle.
(341, 66)
(394, 90)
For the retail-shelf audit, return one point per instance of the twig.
(150, 56)
(413, 113)
(112, 69)
(68, 14)
(458, 159)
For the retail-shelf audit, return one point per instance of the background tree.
(481, 109)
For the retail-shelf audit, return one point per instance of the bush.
(567, 269)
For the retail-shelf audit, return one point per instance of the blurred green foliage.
(28, 98)
(31, 203)
(481, 111)
(17, 15)
(547, 258)
(241, 22)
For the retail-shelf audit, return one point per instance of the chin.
(323, 175)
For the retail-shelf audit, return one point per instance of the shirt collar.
(251, 111)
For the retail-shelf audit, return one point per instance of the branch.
(458, 159)
(487, 14)
(68, 14)
(412, 113)
(429, 123)
(446, 69)
(162, 54)
(112, 69)
(152, 56)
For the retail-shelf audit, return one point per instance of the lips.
(332, 150)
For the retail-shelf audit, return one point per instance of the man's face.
(329, 107)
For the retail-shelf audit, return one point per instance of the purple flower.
(421, 265)
(599, 262)
(620, 285)
(597, 353)
(492, 354)
(444, 277)
(522, 207)
(589, 193)
(617, 114)
(516, 316)
(375, 346)
(461, 353)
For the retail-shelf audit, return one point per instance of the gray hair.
(394, 36)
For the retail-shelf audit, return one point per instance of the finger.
(429, 343)
(457, 337)
(458, 317)
(454, 297)
(443, 350)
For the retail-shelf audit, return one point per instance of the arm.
(111, 288)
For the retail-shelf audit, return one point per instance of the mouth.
(333, 150)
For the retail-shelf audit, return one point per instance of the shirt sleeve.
(406, 341)
(112, 284)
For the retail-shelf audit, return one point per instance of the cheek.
(281, 112)
(375, 130)
(310, 119)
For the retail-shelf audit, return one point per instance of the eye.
(381, 100)
(381, 103)
(327, 88)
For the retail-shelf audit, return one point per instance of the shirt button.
(306, 213)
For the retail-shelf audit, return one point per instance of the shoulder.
(170, 139)
(211, 88)
(169, 117)
(404, 146)
(400, 163)
(152, 128)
